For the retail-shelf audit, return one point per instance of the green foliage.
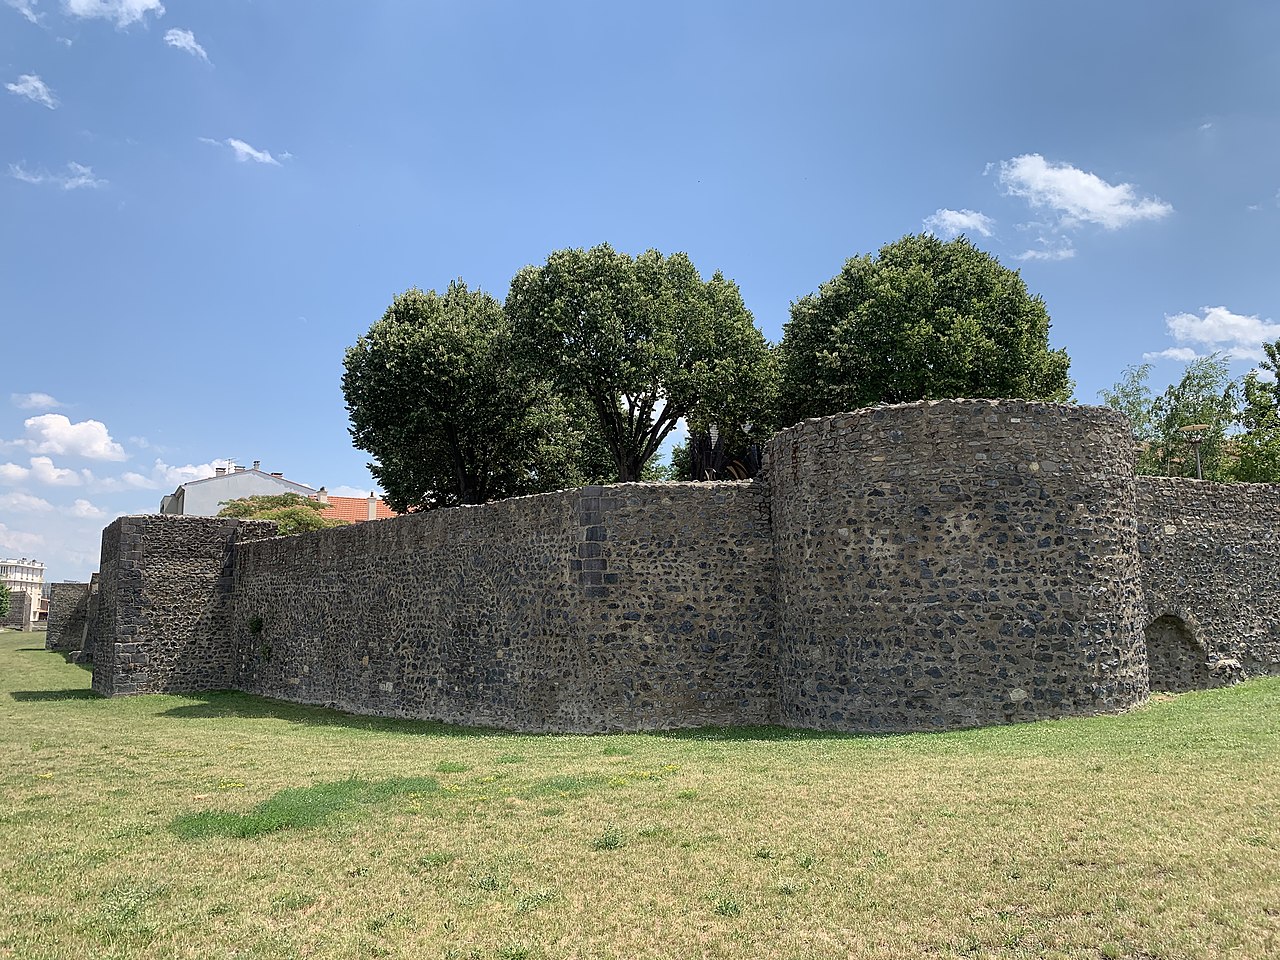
(436, 397)
(1242, 439)
(923, 319)
(4, 600)
(645, 341)
(292, 512)
(299, 807)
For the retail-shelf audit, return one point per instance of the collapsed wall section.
(68, 615)
(1210, 556)
(626, 607)
(163, 592)
(955, 563)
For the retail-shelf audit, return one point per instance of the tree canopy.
(4, 600)
(292, 512)
(436, 396)
(923, 319)
(646, 341)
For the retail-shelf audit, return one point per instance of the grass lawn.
(231, 826)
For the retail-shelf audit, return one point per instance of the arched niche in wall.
(1176, 662)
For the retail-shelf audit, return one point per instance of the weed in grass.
(298, 807)
(569, 784)
(488, 882)
(516, 952)
(510, 758)
(764, 853)
(451, 766)
(431, 861)
(728, 906)
(805, 861)
(613, 751)
(288, 902)
(686, 794)
(611, 839)
(535, 899)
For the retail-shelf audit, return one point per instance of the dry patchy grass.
(1150, 835)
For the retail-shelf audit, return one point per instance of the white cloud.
(24, 503)
(168, 475)
(13, 473)
(17, 541)
(1078, 197)
(27, 8)
(1181, 354)
(77, 176)
(245, 152)
(186, 40)
(34, 89)
(44, 471)
(86, 510)
(54, 433)
(358, 492)
(1239, 336)
(1063, 251)
(123, 12)
(34, 401)
(946, 223)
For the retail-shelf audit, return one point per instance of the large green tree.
(1257, 449)
(292, 512)
(646, 341)
(923, 319)
(436, 396)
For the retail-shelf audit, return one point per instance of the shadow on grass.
(233, 704)
(39, 696)
(33, 650)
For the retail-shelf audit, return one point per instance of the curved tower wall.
(955, 563)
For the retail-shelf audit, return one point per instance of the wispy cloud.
(1049, 251)
(1077, 197)
(1216, 329)
(244, 151)
(77, 177)
(43, 470)
(20, 502)
(86, 510)
(18, 541)
(34, 89)
(13, 473)
(27, 8)
(186, 40)
(123, 12)
(34, 401)
(947, 223)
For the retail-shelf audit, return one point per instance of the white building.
(25, 580)
(204, 498)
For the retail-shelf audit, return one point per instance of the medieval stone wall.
(634, 606)
(955, 563)
(68, 615)
(916, 567)
(1210, 555)
(164, 585)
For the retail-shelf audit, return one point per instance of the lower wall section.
(1210, 555)
(634, 606)
(163, 595)
(68, 615)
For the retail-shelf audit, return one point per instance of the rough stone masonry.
(924, 566)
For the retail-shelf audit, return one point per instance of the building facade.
(25, 580)
(205, 498)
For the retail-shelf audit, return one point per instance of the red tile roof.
(356, 509)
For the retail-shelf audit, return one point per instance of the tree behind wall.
(292, 512)
(4, 600)
(646, 341)
(923, 319)
(436, 396)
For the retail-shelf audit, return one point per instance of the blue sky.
(203, 204)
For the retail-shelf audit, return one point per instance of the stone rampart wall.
(163, 600)
(627, 607)
(955, 563)
(22, 604)
(915, 567)
(1210, 555)
(68, 614)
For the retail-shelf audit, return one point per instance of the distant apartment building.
(25, 580)
(204, 498)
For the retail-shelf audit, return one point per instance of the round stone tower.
(956, 563)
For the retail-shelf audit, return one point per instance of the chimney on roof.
(322, 495)
(373, 506)
(219, 471)
(257, 464)
(277, 474)
(239, 469)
